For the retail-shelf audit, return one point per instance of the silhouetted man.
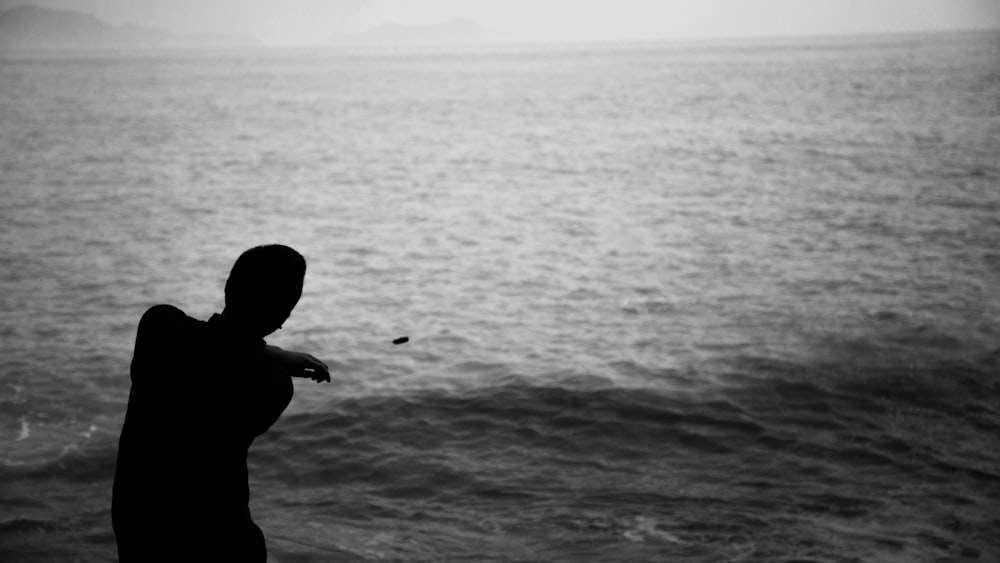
(201, 392)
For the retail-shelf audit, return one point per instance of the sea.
(716, 301)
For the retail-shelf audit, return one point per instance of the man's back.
(200, 395)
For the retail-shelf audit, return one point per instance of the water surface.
(686, 302)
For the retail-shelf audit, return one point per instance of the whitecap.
(25, 430)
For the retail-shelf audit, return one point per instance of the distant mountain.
(33, 27)
(452, 32)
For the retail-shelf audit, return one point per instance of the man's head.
(263, 287)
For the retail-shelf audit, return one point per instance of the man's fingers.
(322, 370)
(317, 375)
(312, 367)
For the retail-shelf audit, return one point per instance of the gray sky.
(291, 22)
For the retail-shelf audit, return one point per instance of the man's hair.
(266, 277)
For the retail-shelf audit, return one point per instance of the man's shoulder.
(163, 310)
(166, 335)
(159, 317)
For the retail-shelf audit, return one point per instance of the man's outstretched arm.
(298, 364)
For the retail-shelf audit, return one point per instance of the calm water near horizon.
(666, 302)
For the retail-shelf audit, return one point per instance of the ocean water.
(666, 302)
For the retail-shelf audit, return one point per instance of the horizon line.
(518, 37)
(261, 45)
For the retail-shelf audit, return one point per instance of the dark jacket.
(199, 397)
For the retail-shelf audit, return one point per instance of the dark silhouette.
(201, 392)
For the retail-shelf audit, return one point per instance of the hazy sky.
(305, 21)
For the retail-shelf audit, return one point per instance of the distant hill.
(33, 27)
(452, 32)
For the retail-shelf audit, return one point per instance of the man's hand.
(298, 364)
